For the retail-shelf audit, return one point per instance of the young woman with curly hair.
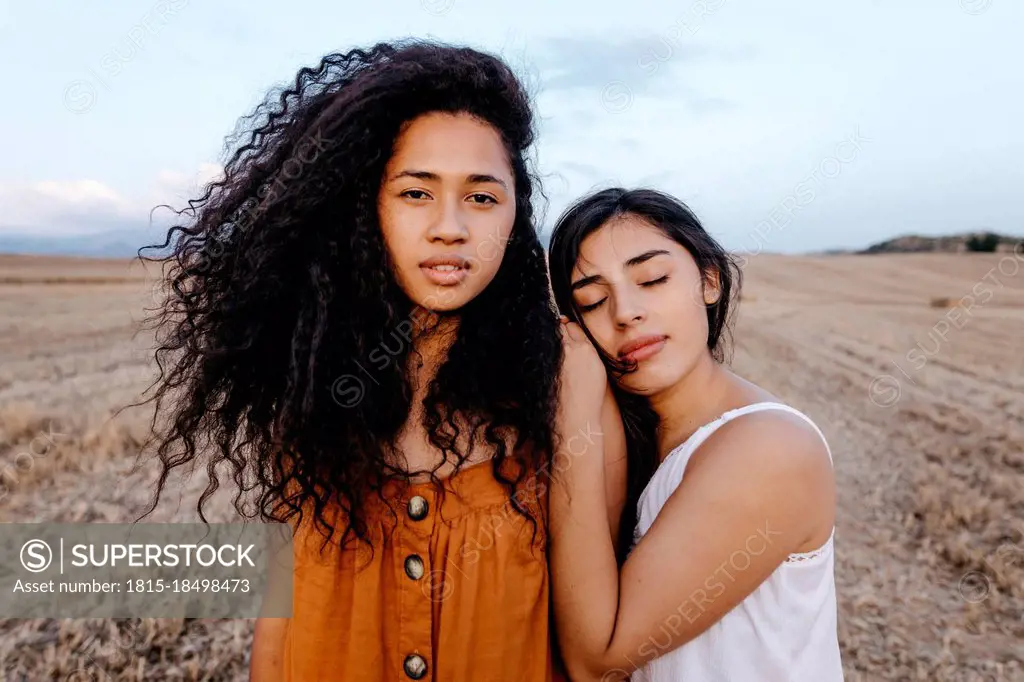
(362, 334)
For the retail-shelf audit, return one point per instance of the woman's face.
(447, 205)
(642, 297)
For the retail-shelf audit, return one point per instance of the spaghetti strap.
(679, 457)
(768, 405)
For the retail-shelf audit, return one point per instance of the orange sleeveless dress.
(456, 591)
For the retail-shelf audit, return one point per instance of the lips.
(445, 270)
(643, 347)
(437, 261)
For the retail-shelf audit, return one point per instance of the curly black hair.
(279, 289)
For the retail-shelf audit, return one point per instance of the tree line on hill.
(976, 242)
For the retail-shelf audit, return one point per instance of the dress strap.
(760, 407)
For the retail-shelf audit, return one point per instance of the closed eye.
(598, 304)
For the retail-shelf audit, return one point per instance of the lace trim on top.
(803, 557)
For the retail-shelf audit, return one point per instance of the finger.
(575, 333)
(566, 334)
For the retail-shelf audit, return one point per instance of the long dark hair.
(284, 338)
(679, 223)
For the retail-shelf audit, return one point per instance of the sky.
(786, 126)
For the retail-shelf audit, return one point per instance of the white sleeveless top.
(784, 631)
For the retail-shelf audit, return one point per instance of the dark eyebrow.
(632, 262)
(420, 175)
(483, 177)
(580, 283)
(474, 178)
(646, 256)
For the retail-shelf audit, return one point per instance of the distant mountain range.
(125, 244)
(112, 244)
(958, 243)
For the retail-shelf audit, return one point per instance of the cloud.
(593, 63)
(81, 192)
(585, 171)
(184, 186)
(642, 65)
(59, 208)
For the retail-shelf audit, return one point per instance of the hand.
(584, 379)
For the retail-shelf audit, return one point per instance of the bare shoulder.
(775, 461)
(774, 442)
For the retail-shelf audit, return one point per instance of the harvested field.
(913, 365)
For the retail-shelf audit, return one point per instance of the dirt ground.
(913, 365)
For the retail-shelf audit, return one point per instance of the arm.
(613, 438)
(594, 425)
(757, 490)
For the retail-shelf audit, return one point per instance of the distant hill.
(957, 243)
(124, 243)
(112, 244)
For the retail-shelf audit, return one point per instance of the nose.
(628, 309)
(449, 226)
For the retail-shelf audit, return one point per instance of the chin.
(447, 307)
(443, 300)
(648, 379)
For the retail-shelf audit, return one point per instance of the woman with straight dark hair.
(729, 573)
(361, 335)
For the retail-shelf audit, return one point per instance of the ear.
(712, 287)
